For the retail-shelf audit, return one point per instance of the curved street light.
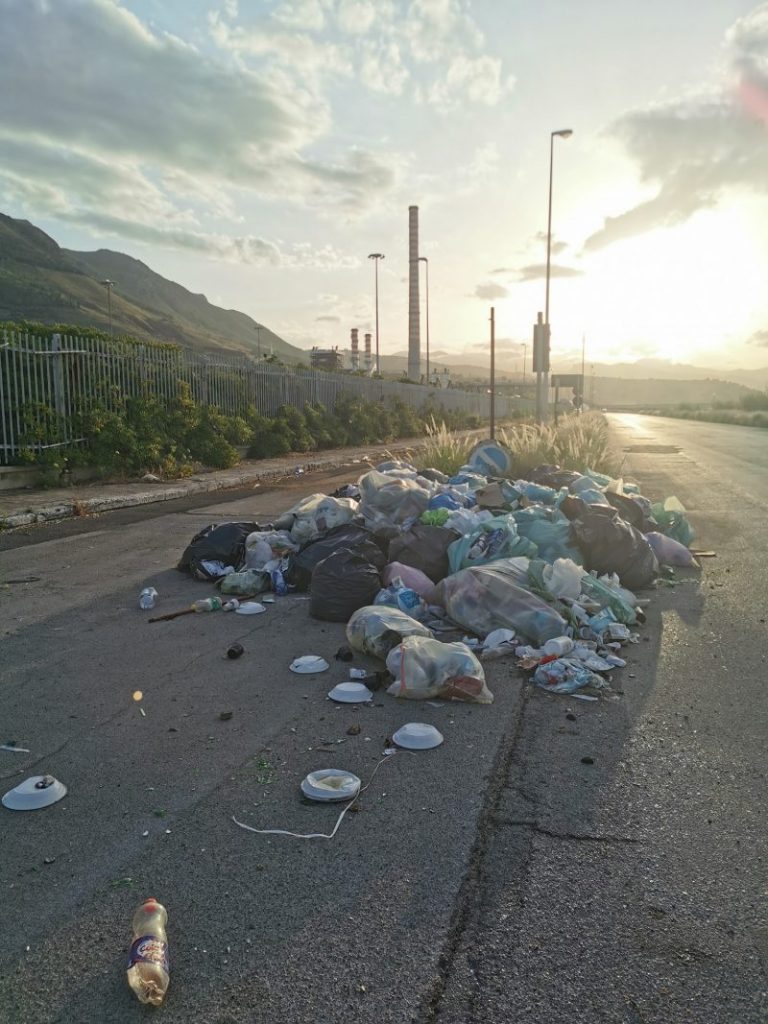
(376, 256)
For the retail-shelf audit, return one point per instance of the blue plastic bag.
(493, 539)
(550, 531)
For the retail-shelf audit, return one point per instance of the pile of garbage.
(435, 575)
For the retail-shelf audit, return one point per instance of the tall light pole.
(425, 261)
(109, 285)
(543, 378)
(258, 341)
(525, 353)
(376, 256)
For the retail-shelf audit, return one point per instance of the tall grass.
(577, 442)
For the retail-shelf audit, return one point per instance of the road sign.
(565, 380)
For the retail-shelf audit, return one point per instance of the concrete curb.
(201, 485)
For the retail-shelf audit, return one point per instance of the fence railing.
(47, 381)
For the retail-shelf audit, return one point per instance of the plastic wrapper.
(435, 517)
(498, 494)
(670, 551)
(610, 544)
(566, 675)
(263, 547)
(620, 601)
(376, 629)
(391, 501)
(490, 597)
(425, 669)
(671, 520)
(413, 578)
(494, 539)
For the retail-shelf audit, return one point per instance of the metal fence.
(45, 382)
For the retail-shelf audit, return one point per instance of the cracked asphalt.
(552, 860)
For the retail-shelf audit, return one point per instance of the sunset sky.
(257, 151)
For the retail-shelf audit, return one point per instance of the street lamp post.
(258, 341)
(109, 285)
(525, 353)
(425, 261)
(376, 256)
(543, 378)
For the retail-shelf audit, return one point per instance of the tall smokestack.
(355, 358)
(368, 359)
(414, 337)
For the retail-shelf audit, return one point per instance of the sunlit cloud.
(490, 291)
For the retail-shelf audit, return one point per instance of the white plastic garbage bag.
(318, 513)
(425, 668)
(563, 578)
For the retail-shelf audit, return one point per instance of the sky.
(257, 151)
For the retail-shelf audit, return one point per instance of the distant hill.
(41, 281)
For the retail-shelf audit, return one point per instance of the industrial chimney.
(355, 356)
(414, 319)
(368, 359)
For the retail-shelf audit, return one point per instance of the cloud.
(490, 291)
(502, 270)
(536, 271)
(506, 345)
(328, 319)
(759, 338)
(694, 149)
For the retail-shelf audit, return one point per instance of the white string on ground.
(316, 835)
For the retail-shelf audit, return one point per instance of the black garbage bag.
(216, 543)
(425, 548)
(434, 474)
(298, 572)
(342, 583)
(572, 506)
(633, 512)
(541, 474)
(610, 544)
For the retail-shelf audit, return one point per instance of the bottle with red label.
(148, 972)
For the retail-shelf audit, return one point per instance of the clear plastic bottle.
(148, 598)
(148, 971)
(208, 604)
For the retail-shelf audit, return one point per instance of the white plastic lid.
(418, 736)
(309, 663)
(330, 784)
(35, 792)
(350, 693)
(250, 608)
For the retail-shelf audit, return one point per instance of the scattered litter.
(350, 693)
(35, 792)
(308, 664)
(225, 716)
(344, 653)
(417, 736)
(148, 598)
(354, 730)
(250, 608)
(21, 579)
(148, 970)
(425, 668)
(330, 784)
(318, 835)
(235, 651)
(13, 749)
(357, 673)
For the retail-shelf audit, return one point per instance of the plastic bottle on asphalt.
(148, 598)
(208, 604)
(559, 645)
(148, 971)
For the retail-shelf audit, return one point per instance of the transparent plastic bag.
(390, 501)
(376, 629)
(550, 531)
(672, 520)
(563, 578)
(318, 513)
(490, 597)
(425, 669)
(670, 551)
(397, 595)
(411, 577)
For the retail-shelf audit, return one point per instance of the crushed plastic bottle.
(148, 969)
(208, 604)
(148, 598)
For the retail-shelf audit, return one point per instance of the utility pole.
(376, 256)
(493, 374)
(109, 285)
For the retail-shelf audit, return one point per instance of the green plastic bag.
(672, 520)
(494, 539)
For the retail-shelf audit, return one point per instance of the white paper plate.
(417, 736)
(350, 693)
(308, 664)
(35, 792)
(330, 784)
(250, 608)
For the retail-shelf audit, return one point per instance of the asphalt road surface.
(499, 878)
